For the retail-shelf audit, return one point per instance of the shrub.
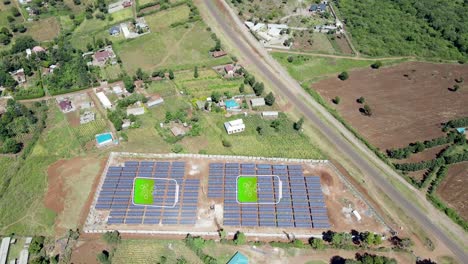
(290, 59)
(343, 76)
(376, 65)
(270, 99)
(298, 125)
(111, 237)
(226, 143)
(239, 238)
(36, 245)
(177, 148)
(361, 100)
(336, 100)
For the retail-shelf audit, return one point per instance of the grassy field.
(43, 29)
(308, 68)
(87, 132)
(163, 88)
(111, 72)
(150, 251)
(207, 82)
(21, 208)
(182, 47)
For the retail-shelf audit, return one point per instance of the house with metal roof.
(234, 126)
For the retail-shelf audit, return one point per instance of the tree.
(270, 99)
(290, 59)
(316, 243)
(37, 243)
(171, 75)
(195, 72)
(129, 84)
(140, 75)
(298, 243)
(336, 100)
(103, 257)
(177, 148)
(376, 65)
(111, 237)
(343, 76)
(258, 88)
(239, 238)
(162, 260)
(22, 43)
(419, 147)
(226, 143)
(259, 130)
(216, 96)
(298, 125)
(367, 110)
(276, 125)
(15, 12)
(242, 88)
(361, 100)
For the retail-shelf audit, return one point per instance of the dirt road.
(369, 164)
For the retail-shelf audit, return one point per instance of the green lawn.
(307, 68)
(87, 132)
(163, 88)
(111, 72)
(150, 251)
(160, 21)
(21, 207)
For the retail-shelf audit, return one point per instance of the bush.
(298, 125)
(177, 148)
(226, 143)
(361, 100)
(376, 65)
(270, 99)
(36, 245)
(239, 238)
(343, 76)
(336, 100)
(290, 59)
(111, 237)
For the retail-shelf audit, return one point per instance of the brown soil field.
(453, 188)
(86, 251)
(409, 101)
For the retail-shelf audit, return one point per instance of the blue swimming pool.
(104, 138)
(231, 104)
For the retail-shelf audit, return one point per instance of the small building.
(318, 8)
(27, 242)
(177, 131)
(5, 246)
(270, 114)
(136, 111)
(126, 124)
(19, 76)
(126, 4)
(117, 90)
(357, 215)
(461, 130)
(65, 105)
(87, 117)
(104, 100)
(154, 101)
(38, 49)
(100, 57)
(234, 126)
(238, 258)
(24, 256)
(200, 104)
(229, 69)
(86, 105)
(218, 54)
(256, 102)
(28, 53)
(114, 31)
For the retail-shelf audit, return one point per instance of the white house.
(234, 126)
(357, 215)
(136, 111)
(256, 102)
(104, 100)
(117, 90)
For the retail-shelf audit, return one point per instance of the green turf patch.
(143, 191)
(247, 189)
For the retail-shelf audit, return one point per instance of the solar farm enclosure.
(285, 197)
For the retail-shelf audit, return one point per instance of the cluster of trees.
(7, 34)
(408, 27)
(217, 41)
(112, 238)
(365, 258)
(461, 122)
(403, 153)
(17, 120)
(446, 159)
(343, 76)
(249, 79)
(162, 74)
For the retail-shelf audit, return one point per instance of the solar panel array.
(116, 194)
(302, 204)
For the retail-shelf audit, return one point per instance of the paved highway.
(337, 134)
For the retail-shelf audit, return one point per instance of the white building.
(234, 126)
(4, 249)
(154, 102)
(256, 102)
(270, 114)
(24, 256)
(117, 90)
(104, 100)
(357, 215)
(136, 111)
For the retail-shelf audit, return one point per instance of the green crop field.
(163, 88)
(247, 189)
(150, 251)
(208, 82)
(21, 208)
(160, 21)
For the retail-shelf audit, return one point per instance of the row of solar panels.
(272, 223)
(150, 221)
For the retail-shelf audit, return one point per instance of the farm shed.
(136, 111)
(270, 114)
(104, 100)
(155, 101)
(256, 102)
(24, 256)
(4, 249)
